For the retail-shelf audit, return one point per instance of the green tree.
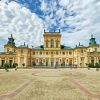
(6, 67)
(89, 66)
(23, 64)
(15, 65)
(34, 64)
(97, 66)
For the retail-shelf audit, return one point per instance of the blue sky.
(26, 20)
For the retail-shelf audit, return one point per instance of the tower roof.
(92, 41)
(11, 41)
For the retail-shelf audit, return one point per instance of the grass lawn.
(50, 84)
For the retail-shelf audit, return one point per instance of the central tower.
(52, 40)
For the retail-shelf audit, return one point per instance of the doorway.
(52, 64)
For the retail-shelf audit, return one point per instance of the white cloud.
(64, 2)
(85, 21)
(24, 25)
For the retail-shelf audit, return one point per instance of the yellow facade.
(51, 53)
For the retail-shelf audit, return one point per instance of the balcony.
(7, 53)
(94, 52)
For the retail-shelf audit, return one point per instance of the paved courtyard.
(50, 84)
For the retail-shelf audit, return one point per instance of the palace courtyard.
(50, 84)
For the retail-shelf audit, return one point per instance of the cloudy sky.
(26, 20)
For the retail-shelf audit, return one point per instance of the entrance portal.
(52, 64)
(2, 63)
(10, 62)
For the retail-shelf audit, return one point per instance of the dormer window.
(95, 49)
(8, 49)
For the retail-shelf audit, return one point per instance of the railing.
(94, 52)
(7, 53)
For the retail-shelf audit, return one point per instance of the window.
(81, 51)
(40, 53)
(2, 62)
(46, 43)
(70, 53)
(33, 53)
(51, 52)
(63, 53)
(56, 44)
(46, 53)
(8, 49)
(52, 43)
(56, 53)
(81, 59)
(21, 51)
(95, 49)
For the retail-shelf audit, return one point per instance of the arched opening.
(56, 44)
(52, 43)
(46, 43)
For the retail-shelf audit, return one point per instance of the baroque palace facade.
(51, 53)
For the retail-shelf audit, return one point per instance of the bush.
(1, 67)
(96, 65)
(23, 64)
(34, 64)
(6, 66)
(90, 65)
(70, 64)
(15, 65)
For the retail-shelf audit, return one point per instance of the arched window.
(8, 49)
(52, 43)
(46, 43)
(56, 44)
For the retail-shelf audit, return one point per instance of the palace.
(51, 53)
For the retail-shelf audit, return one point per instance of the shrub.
(34, 64)
(15, 65)
(6, 66)
(23, 64)
(90, 65)
(97, 66)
